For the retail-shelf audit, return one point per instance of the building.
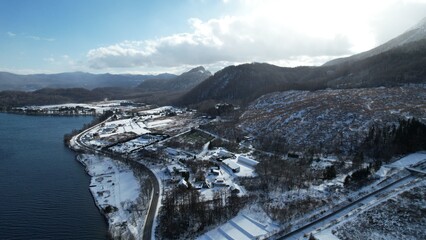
(232, 165)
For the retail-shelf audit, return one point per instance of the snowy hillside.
(330, 120)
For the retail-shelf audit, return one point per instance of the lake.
(44, 191)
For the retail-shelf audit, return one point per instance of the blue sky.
(136, 36)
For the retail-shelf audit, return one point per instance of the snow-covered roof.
(231, 164)
(247, 161)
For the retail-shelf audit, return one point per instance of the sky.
(145, 37)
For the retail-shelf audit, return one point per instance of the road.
(149, 221)
(298, 233)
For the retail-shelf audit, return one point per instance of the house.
(220, 181)
(232, 165)
(176, 169)
(215, 172)
(247, 161)
(171, 151)
(223, 153)
(198, 185)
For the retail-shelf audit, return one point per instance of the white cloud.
(11, 34)
(285, 32)
(33, 37)
(37, 38)
(225, 39)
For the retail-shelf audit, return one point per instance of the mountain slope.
(398, 66)
(330, 120)
(416, 33)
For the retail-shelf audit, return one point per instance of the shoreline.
(118, 193)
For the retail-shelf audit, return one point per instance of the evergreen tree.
(329, 173)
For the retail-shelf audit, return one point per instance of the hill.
(329, 120)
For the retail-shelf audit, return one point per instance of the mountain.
(15, 82)
(246, 82)
(159, 89)
(185, 81)
(416, 33)
(393, 66)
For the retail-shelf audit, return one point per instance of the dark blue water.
(43, 191)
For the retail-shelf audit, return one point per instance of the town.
(234, 189)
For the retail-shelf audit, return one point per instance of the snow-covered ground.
(396, 215)
(157, 111)
(409, 160)
(99, 107)
(387, 174)
(136, 143)
(250, 223)
(125, 126)
(159, 123)
(116, 192)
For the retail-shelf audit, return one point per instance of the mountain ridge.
(30, 82)
(182, 82)
(244, 83)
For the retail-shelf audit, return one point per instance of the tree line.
(186, 214)
(406, 137)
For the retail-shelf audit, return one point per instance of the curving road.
(150, 217)
(149, 221)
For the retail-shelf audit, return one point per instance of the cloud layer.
(306, 32)
(227, 39)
